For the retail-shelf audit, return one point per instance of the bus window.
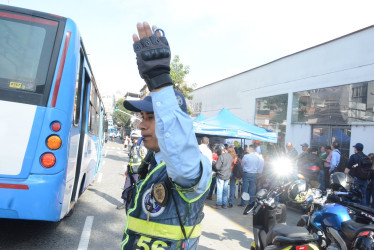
(78, 91)
(26, 45)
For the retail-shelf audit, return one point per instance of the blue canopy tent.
(199, 118)
(228, 125)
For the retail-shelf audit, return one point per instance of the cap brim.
(138, 105)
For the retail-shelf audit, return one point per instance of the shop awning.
(226, 124)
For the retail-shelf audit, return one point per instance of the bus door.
(83, 130)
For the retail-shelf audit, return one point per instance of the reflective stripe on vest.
(155, 229)
(136, 201)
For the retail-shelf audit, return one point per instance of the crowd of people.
(313, 164)
(225, 159)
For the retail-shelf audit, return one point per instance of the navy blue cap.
(146, 103)
(359, 146)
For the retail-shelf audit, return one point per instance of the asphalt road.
(97, 205)
(97, 224)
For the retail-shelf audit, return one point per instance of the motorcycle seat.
(290, 232)
(361, 207)
(351, 229)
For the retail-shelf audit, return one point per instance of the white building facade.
(317, 95)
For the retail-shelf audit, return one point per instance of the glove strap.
(159, 81)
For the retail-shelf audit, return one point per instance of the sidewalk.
(225, 228)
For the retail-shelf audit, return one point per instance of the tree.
(178, 72)
(121, 119)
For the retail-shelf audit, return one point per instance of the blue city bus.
(51, 116)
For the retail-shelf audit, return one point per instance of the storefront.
(318, 95)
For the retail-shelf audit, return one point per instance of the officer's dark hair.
(336, 145)
(205, 140)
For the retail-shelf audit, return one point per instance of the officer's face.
(147, 126)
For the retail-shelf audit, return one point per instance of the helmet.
(364, 240)
(299, 191)
(219, 148)
(341, 182)
(135, 134)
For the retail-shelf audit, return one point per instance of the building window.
(340, 105)
(271, 113)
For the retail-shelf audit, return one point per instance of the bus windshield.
(26, 45)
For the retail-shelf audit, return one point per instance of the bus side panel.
(65, 101)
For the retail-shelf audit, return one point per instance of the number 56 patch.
(147, 243)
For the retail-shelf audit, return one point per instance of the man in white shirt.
(205, 150)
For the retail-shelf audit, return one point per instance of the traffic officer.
(166, 210)
(136, 155)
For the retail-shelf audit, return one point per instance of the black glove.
(153, 59)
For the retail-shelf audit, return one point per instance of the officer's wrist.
(158, 82)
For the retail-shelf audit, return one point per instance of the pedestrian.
(205, 150)
(223, 173)
(257, 146)
(213, 185)
(335, 157)
(359, 166)
(327, 165)
(317, 179)
(250, 163)
(321, 177)
(370, 189)
(233, 178)
(136, 155)
(166, 208)
(302, 158)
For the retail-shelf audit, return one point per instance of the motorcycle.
(269, 228)
(331, 221)
(350, 197)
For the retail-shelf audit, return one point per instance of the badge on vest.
(161, 194)
(150, 206)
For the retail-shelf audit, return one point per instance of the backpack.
(364, 167)
(343, 163)
(238, 170)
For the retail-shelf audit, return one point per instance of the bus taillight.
(48, 160)
(54, 142)
(56, 126)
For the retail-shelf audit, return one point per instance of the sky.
(216, 39)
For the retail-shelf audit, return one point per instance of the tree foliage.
(178, 72)
(121, 119)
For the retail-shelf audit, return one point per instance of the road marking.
(85, 237)
(103, 163)
(106, 151)
(100, 177)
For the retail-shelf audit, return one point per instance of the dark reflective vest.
(163, 230)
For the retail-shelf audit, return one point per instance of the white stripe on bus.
(85, 237)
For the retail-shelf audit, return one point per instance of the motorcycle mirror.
(245, 196)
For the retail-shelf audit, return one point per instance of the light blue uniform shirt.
(335, 159)
(177, 141)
